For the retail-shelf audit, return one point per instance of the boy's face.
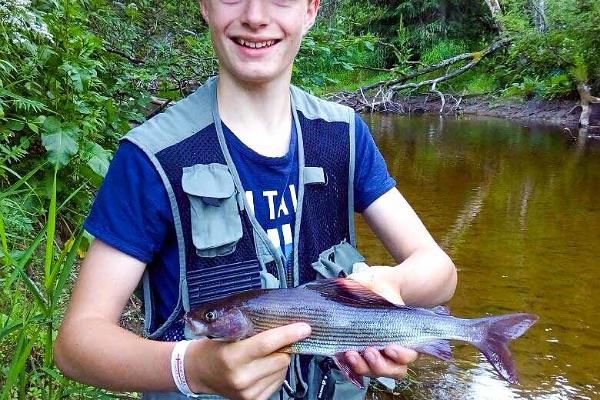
(256, 40)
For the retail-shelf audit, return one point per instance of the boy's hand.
(379, 279)
(248, 369)
(391, 361)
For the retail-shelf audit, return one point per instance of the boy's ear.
(313, 9)
(204, 9)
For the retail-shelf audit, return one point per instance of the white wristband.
(177, 368)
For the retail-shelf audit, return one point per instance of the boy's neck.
(258, 114)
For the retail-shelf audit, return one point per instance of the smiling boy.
(249, 182)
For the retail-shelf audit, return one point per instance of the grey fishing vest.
(222, 248)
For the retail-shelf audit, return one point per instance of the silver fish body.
(345, 316)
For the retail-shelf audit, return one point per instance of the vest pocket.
(337, 261)
(215, 217)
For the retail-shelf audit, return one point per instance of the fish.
(345, 315)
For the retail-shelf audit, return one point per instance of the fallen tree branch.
(475, 59)
(381, 95)
(420, 72)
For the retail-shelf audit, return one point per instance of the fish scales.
(336, 326)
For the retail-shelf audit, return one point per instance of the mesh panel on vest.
(326, 145)
(214, 277)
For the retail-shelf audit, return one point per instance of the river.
(518, 210)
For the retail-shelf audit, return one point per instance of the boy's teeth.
(255, 45)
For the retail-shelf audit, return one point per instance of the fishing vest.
(222, 248)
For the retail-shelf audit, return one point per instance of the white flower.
(19, 15)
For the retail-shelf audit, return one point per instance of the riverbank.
(562, 113)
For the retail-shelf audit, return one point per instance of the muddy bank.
(563, 113)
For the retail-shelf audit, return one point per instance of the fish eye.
(210, 316)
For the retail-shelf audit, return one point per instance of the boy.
(243, 184)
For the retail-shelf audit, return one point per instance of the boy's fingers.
(271, 364)
(272, 340)
(400, 355)
(358, 363)
(275, 382)
(382, 366)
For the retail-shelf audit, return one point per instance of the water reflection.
(518, 209)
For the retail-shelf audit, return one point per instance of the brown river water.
(518, 210)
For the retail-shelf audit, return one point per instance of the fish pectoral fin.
(438, 348)
(352, 376)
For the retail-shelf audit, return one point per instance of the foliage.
(31, 296)
(421, 24)
(548, 62)
(329, 53)
(442, 50)
(53, 94)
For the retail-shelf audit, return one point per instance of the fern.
(21, 103)
(7, 68)
(10, 154)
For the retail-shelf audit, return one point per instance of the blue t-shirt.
(270, 187)
(132, 212)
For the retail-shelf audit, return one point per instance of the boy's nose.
(256, 13)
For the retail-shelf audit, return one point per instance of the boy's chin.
(259, 77)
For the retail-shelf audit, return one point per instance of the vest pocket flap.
(215, 216)
(212, 181)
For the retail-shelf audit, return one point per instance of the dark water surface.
(518, 210)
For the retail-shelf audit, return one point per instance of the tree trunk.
(496, 11)
(586, 100)
(539, 15)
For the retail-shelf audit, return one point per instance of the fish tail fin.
(497, 332)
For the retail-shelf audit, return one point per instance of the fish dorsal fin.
(441, 310)
(348, 292)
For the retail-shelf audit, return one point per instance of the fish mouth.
(194, 329)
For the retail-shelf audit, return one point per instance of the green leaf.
(369, 46)
(24, 347)
(52, 124)
(7, 67)
(15, 125)
(34, 128)
(50, 232)
(63, 271)
(60, 141)
(96, 157)
(33, 289)
(8, 329)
